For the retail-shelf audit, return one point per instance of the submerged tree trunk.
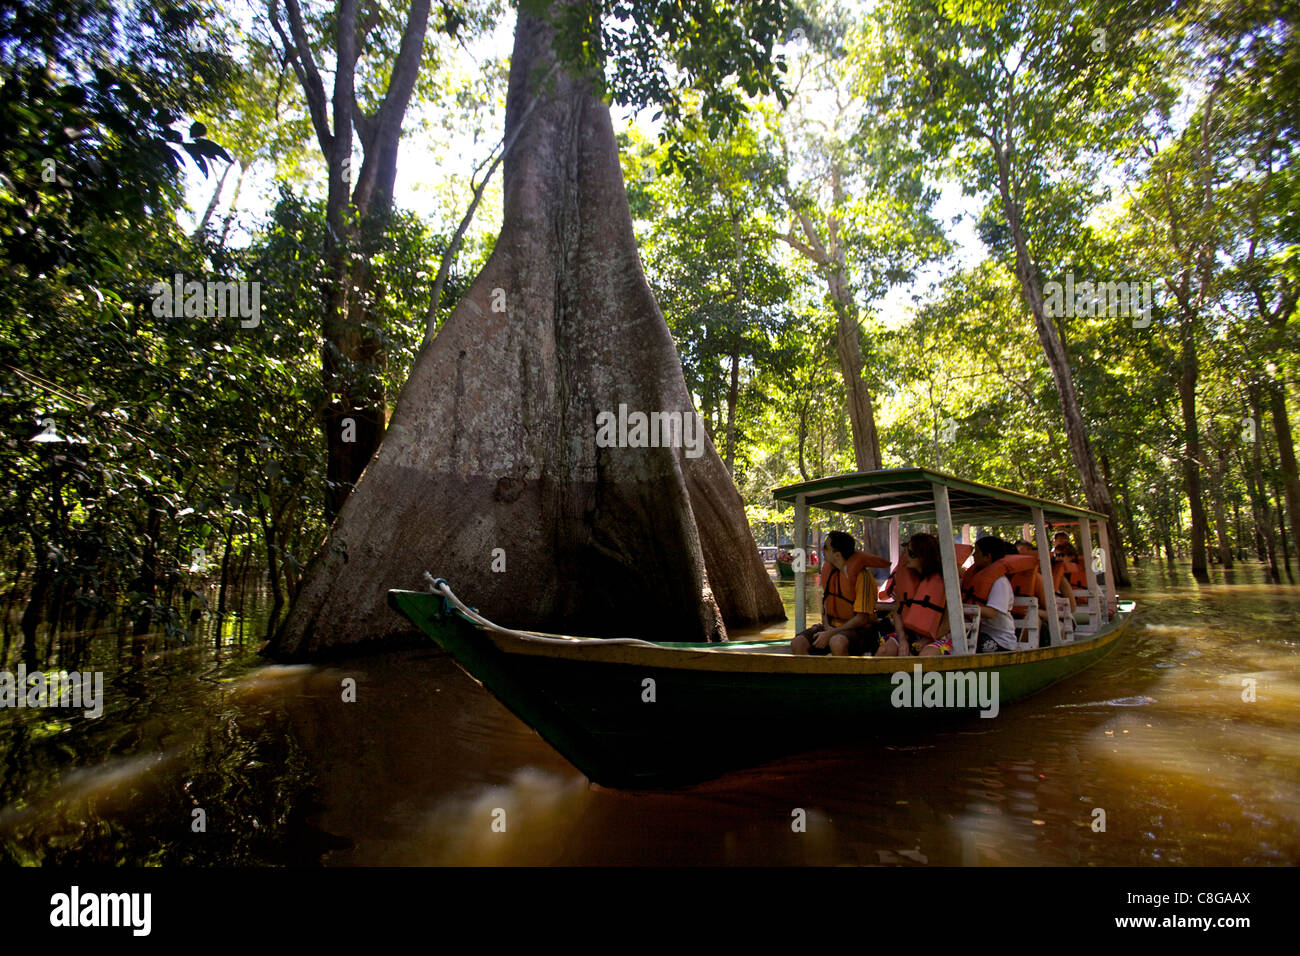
(490, 473)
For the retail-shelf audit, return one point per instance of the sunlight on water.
(1182, 747)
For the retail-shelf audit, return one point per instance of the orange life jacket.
(901, 581)
(1029, 583)
(976, 585)
(1058, 575)
(1076, 575)
(923, 604)
(1071, 571)
(839, 589)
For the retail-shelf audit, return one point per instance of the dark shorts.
(862, 640)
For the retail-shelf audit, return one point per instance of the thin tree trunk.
(1192, 450)
(1279, 509)
(212, 204)
(1286, 456)
(234, 204)
(1124, 505)
(1220, 508)
(1076, 431)
(225, 572)
(1266, 540)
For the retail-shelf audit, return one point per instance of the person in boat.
(920, 618)
(1073, 577)
(1029, 583)
(848, 624)
(988, 585)
(1060, 588)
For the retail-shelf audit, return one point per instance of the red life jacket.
(839, 589)
(1073, 570)
(923, 605)
(976, 585)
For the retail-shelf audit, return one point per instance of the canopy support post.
(1108, 589)
(951, 580)
(1045, 569)
(893, 543)
(801, 544)
(1089, 575)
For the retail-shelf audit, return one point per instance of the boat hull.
(633, 715)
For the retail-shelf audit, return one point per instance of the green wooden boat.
(638, 714)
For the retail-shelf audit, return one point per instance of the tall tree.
(352, 352)
(857, 198)
(1019, 97)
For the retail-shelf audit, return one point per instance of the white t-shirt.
(1000, 626)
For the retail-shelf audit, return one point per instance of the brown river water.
(425, 767)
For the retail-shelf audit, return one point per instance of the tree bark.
(493, 441)
(1286, 455)
(1218, 502)
(830, 256)
(212, 203)
(1187, 377)
(1124, 505)
(353, 420)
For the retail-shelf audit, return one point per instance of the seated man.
(848, 624)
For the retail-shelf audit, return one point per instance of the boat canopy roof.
(908, 494)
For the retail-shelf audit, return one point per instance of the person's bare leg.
(889, 648)
(840, 645)
(799, 645)
(930, 650)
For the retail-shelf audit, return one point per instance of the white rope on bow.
(440, 586)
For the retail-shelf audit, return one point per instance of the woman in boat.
(848, 624)
(920, 619)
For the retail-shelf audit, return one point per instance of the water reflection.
(1158, 754)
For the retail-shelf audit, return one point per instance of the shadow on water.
(1160, 742)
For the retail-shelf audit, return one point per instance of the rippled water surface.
(417, 771)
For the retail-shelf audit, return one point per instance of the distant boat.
(631, 713)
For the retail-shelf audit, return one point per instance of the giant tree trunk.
(493, 442)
